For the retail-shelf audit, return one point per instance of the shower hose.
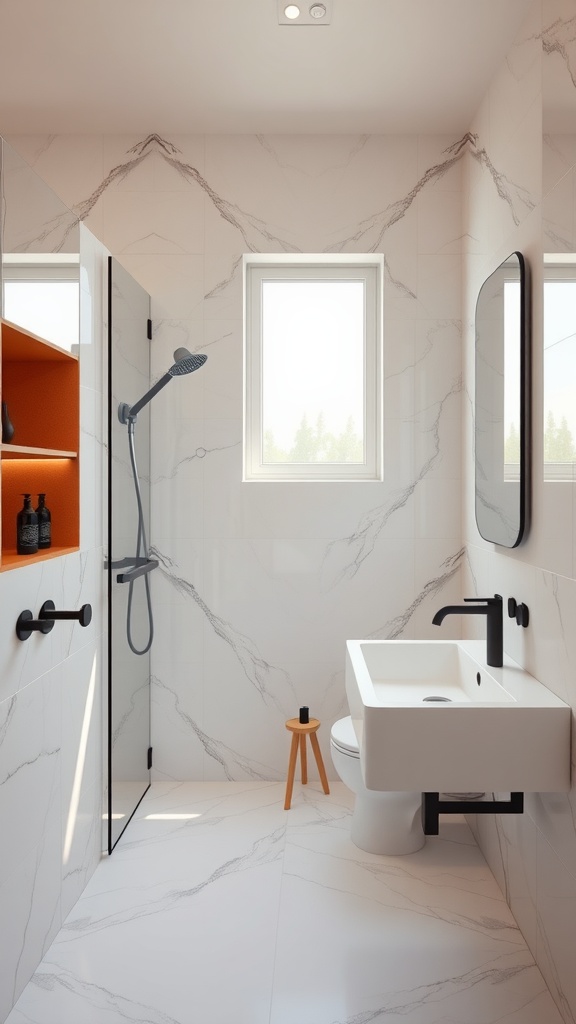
(141, 550)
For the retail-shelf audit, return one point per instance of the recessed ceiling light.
(304, 12)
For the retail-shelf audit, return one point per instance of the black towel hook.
(27, 624)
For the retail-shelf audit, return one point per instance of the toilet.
(382, 822)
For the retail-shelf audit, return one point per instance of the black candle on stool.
(304, 716)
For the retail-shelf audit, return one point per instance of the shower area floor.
(219, 907)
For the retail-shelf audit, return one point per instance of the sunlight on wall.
(80, 762)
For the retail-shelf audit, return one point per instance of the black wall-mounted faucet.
(491, 607)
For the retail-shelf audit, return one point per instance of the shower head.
(185, 362)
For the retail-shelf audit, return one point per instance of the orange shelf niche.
(20, 451)
(40, 382)
(59, 480)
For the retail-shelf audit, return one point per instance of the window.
(559, 366)
(313, 368)
(42, 294)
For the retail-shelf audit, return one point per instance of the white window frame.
(258, 268)
(43, 268)
(558, 267)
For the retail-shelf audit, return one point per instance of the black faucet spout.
(457, 609)
(491, 607)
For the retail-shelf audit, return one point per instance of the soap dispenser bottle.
(44, 523)
(27, 529)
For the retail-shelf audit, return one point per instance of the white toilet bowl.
(382, 822)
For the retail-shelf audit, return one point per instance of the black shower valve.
(519, 612)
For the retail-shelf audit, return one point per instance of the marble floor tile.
(219, 907)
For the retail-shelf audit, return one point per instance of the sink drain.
(429, 700)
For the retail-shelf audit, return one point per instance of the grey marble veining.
(54, 237)
(516, 196)
(199, 453)
(220, 888)
(508, 520)
(251, 228)
(100, 999)
(372, 230)
(225, 282)
(353, 550)
(395, 627)
(559, 37)
(231, 761)
(405, 1002)
(257, 236)
(269, 145)
(263, 676)
(158, 899)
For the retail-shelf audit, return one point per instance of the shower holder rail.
(138, 567)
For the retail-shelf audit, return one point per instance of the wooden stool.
(299, 732)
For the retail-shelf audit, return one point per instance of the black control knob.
(519, 612)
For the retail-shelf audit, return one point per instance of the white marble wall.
(522, 125)
(261, 583)
(50, 703)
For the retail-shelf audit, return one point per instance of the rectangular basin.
(490, 729)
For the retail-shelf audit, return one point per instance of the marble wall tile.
(50, 746)
(315, 556)
(175, 283)
(22, 663)
(82, 846)
(519, 846)
(532, 857)
(556, 903)
(81, 729)
(30, 903)
(438, 286)
(92, 465)
(178, 737)
(30, 757)
(71, 165)
(438, 162)
(440, 223)
(558, 159)
(150, 222)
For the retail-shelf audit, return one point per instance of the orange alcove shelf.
(40, 384)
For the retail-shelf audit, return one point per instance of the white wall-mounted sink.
(496, 730)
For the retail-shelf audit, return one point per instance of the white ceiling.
(187, 66)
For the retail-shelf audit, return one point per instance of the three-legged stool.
(299, 732)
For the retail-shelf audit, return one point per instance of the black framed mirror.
(502, 404)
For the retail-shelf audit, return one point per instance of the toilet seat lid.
(343, 736)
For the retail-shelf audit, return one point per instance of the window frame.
(558, 268)
(258, 268)
(43, 268)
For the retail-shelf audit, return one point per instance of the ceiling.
(221, 66)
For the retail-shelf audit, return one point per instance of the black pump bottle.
(27, 529)
(44, 523)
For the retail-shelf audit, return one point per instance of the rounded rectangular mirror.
(501, 408)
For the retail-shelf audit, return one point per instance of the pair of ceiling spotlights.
(294, 11)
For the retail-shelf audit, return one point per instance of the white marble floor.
(219, 907)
